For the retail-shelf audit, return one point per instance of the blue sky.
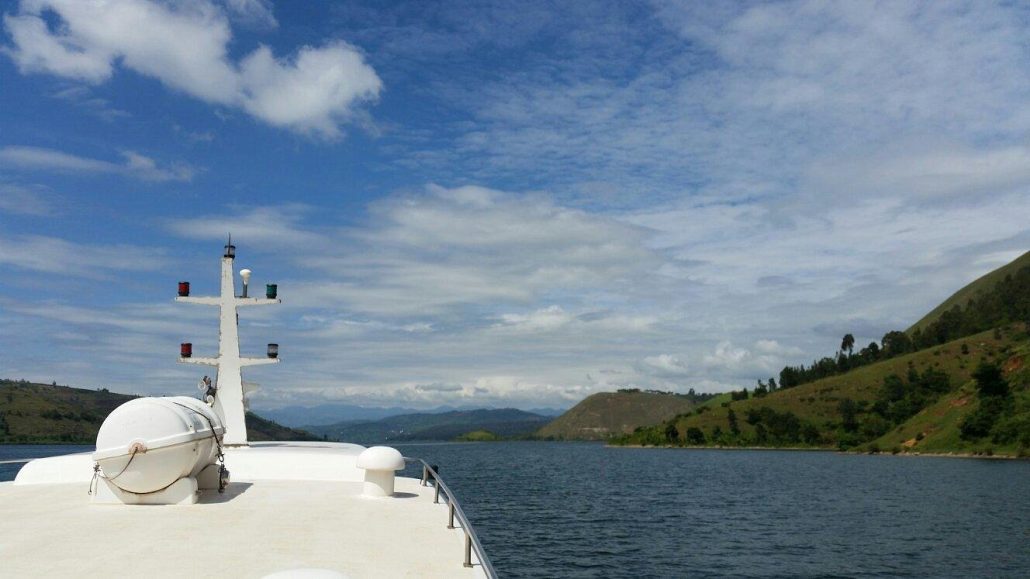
(481, 205)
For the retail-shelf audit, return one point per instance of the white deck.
(290, 506)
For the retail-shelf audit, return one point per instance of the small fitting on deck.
(380, 463)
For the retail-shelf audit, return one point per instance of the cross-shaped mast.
(228, 402)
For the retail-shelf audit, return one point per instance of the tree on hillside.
(895, 343)
(848, 414)
(989, 380)
(847, 344)
(994, 395)
(731, 416)
(893, 388)
(671, 434)
(695, 435)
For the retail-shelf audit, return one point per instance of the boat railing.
(454, 512)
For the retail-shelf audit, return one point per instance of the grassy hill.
(33, 413)
(818, 404)
(261, 429)
(479, 436)
(606, 414)
(968, 394)
(503, 422)
(981, 285)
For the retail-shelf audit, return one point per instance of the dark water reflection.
(583, 510)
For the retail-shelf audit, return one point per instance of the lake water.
(583, 510)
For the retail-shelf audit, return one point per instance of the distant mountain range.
(330, 414)
(504, 422)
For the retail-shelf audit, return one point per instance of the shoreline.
(995, 456)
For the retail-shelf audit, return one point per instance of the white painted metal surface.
(312, 461)
(254, 529)
(229, 398)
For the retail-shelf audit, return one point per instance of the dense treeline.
(1006, 302)
(692, 395)
(770, 428)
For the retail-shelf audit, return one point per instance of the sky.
(477, 204)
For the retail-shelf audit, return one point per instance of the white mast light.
(245, 274)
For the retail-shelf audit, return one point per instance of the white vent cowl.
(380, 463)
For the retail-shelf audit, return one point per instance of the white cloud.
(82, 97)
(449, 248)
(58, 256)
(254, 13)
(312, 93)
(741, 363)
(439, 387)
(268, 228)
(925, 173)
(513, 297)
(773, 347)
(134, 164)
(743, 100)
(549, 318)
(664, 366)
(21, 200)
(185, 46)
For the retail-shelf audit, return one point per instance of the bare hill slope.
(607, 414)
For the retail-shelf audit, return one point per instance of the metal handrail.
(454, 509)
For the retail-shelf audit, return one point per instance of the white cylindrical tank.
(147, 444)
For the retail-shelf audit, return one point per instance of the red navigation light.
(184, 288)
(186, 350)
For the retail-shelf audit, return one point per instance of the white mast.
(229, 381)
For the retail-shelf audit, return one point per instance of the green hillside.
(33, 413)
(607, 414)
(48, 413)
(981, 285)
(479, 436)
(960, 384)
(842, 411)
(261, 430)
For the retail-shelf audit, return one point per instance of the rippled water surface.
(584, 510)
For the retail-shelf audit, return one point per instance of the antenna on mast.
(230, 249)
